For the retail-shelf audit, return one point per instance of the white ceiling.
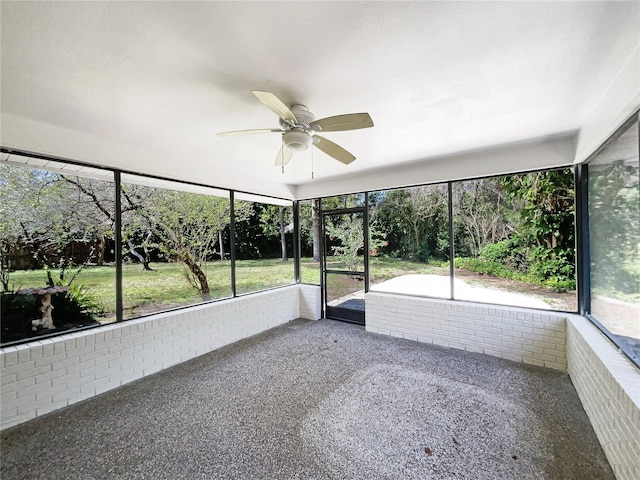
(144, 86)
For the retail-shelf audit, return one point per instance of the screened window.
(514, 240)
(175, 245)
(310, 241)
(614, 238)
(409, 241)
(263, 243)
(57, 243)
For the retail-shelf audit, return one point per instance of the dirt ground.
(562, 301)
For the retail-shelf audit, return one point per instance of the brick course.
(42, 376)
(517, 334)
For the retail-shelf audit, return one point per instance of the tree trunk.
(101, 248)
(416, 233)
(221, 244)
(283, 240)
(315, 227)
(199, 274)
(147, 255)
(143, 260)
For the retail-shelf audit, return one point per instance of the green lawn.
(167, 286)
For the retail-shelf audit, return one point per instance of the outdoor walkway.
(320, 400)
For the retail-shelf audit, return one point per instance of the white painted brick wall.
(310, 302)
(609, 387)
(528, 336)
(42, 376)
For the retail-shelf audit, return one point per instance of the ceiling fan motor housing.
(297, 139)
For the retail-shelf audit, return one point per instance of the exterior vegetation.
(58, 229)
(517, 227)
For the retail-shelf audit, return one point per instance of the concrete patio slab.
(439, 286)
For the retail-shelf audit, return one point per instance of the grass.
(167, 286)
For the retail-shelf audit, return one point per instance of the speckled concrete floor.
(320, 400)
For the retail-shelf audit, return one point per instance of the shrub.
(496, 252)
(17, 312)
(509, 253)
(553, 268)
(483, 267)
(75, 309)
(78, 303)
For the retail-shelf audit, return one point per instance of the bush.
(17, 312)
(77, 303)
(75, 309)
(496, 252)
(508, 253)
(553, 268)
(483, 267)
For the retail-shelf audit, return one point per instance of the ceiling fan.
(299, 129)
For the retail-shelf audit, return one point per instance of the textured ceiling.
(145, 86)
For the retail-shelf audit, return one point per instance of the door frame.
(340, 313)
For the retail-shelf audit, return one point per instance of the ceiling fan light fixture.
(297, 140)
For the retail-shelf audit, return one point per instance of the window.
(409, 241)
(57, 245)
(175, 239)
(310, 241)
(614, 238)
(514, 240)
(263, 242)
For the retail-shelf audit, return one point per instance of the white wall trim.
(532, 155)
(609, 388)
(619, 102)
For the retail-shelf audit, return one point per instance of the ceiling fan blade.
(276, 106)
(284, 155)
(249, 132)
(349, 121)
(333, 150)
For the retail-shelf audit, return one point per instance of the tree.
(481, 213)
(545, 208)
(53, 214)
(56, 218)
(412, 219)
(614, 219)
(277, 220)
(96, 196)
(315, 228)
(186, 226)
(10, 208)
(328, 203)
(346, 239)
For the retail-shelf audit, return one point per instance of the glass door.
(344, 264)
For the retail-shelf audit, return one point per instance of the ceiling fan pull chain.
(312, 164)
